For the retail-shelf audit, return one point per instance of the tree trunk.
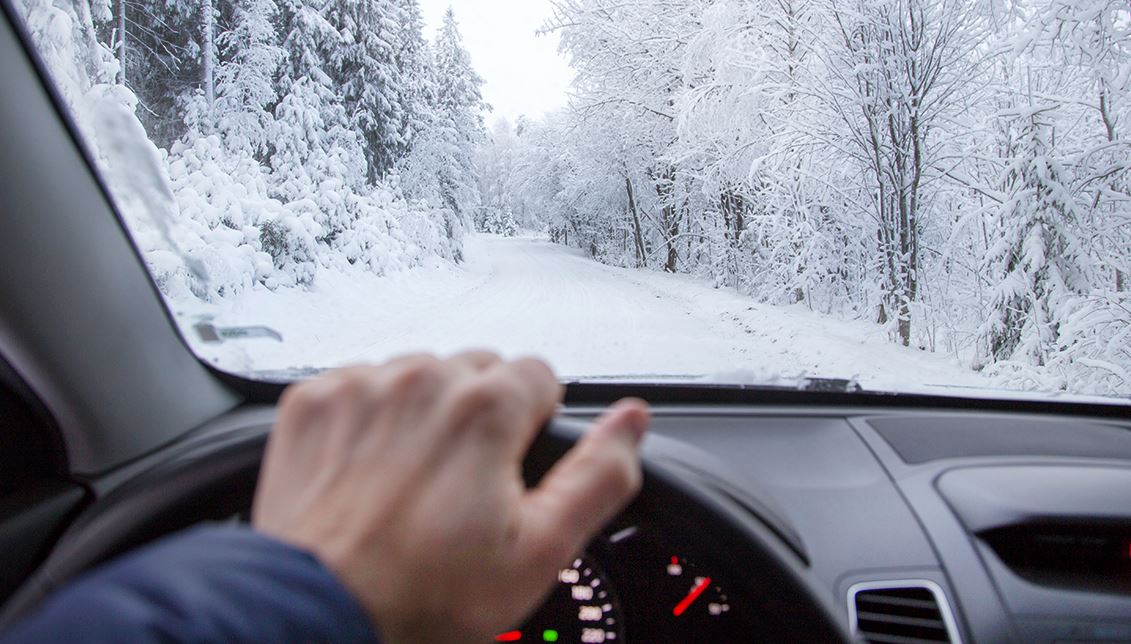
(638, 237)
(739, 219)
(208, 63)
(669, 218)
(122, 40)
(672, 263)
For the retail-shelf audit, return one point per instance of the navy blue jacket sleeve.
(208, 585)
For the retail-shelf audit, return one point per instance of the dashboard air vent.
(901, 612)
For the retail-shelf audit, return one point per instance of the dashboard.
(917, 526)
(904, 525)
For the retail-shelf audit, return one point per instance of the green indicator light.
(549, 636)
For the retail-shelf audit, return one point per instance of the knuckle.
(472, 397)
(421, 372)
(410, 357)
(511, 402)
(301, 398)
(350, 387)
(479, 356)
(301, 407)
(536, 368)
(510, 387)
(483, 405)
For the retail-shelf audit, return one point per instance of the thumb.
(590, 484)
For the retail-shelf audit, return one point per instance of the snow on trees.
(1035, 259)
(441, 165)
(458, 126)
(273, 131)
(245, 80)
(956, 172)
(864, 158)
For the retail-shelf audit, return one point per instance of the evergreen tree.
(458, 128)
(374, 89)
(1035, 260)
(317, 156)
(413, 64)
(245, 80)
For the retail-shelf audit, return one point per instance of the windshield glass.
(911, 196)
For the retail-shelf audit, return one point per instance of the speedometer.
(582, 609)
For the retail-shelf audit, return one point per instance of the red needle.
(681, 607)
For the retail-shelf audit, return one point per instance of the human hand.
(406, 481)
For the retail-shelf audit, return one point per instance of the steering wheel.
(213, 477)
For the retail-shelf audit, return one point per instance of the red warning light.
(510, 636)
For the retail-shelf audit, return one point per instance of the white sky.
(523, 72)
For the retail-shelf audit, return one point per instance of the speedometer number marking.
(596, 635)
(590, 613)
(583, 608)
(675, 569)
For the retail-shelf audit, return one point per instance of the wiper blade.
(830, 385)
(213, 334)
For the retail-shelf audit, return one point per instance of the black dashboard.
(944, 526)
(905, 525)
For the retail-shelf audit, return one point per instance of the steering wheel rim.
(216, 476)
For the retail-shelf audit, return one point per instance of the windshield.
(910, 196)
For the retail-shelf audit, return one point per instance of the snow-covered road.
(528, 296)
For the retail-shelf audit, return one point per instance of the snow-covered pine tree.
(363, 65)
(245, 80)
(317, 168)
(1034, 259)
(413, 64)
(459, 120)
(442, 166)
(318, 160)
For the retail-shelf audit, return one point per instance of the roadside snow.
(524, 296)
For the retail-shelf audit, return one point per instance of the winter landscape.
(918, 195)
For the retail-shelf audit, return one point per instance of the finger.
(294, 445)
(475, 361)
(400, 395)
(546, 394)
(590, 484)
(514, 400)
(300, 408)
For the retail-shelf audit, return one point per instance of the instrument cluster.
(639, 583)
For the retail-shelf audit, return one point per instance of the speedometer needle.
(682, 606)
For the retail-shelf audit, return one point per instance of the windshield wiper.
(213, 334)
(831, 385)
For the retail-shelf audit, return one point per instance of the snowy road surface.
(528, 296)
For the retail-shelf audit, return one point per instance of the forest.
(954, 171)
(253, 143)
